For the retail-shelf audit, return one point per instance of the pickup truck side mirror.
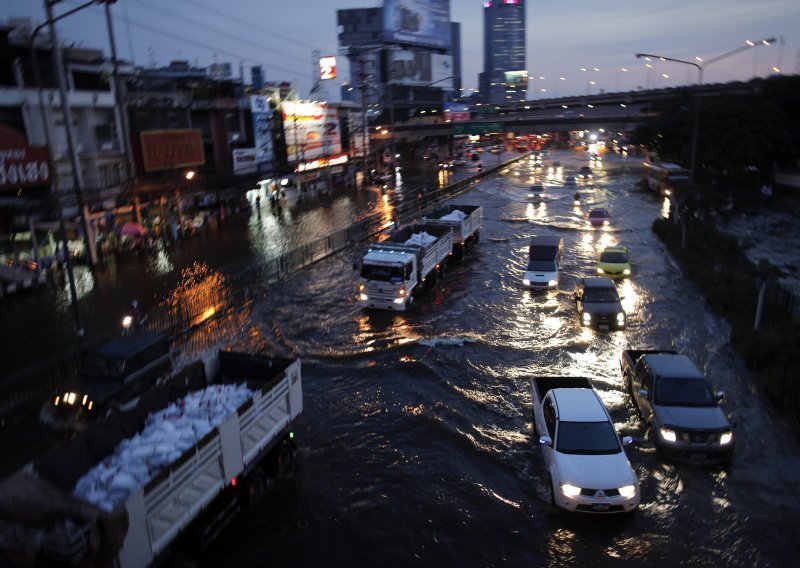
(627, 440)
(719, 396)
(643, 393)
(545, 441)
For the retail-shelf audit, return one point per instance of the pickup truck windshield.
(381, 272)
(600, 295)
(587, 438)
(683, 392)
(541, 266)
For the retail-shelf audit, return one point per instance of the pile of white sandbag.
(166, 435)
(422, 239)
(454, 215)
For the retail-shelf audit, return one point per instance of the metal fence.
(207, 299)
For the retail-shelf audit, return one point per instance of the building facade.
(504, 79)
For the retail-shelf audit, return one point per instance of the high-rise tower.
(504, 78)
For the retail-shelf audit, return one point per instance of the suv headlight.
(586, 317)
(621, 318)
(628, 491)
(668, 435)
(570, 490)
(526, 282)
(552, 283)
(726, 438)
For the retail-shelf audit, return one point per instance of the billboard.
(516, 79)
(420, 68)
(21, 165)
(169, 149)
(327, 67)
(417, 22)
(244, 161)
(311, 130)
(456, 112)
(262, 132)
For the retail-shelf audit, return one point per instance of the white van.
(544, 262)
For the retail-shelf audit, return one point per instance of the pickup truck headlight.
(726, 438)
(621, 318)
(363, 297)
(526, 282)
(552, 283)
(628, 491)
(570, 490)
(586, 318)
(668, 435)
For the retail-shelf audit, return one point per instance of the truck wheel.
(284, 460)
(256, 487)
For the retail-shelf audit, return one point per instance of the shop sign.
(167, 149)
(21, 165)
(244, 161)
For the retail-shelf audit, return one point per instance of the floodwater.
(416, 441)
(416, 446)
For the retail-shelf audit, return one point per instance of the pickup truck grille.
(698, 437)
(593, 492)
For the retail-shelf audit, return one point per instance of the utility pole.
(122, 115)
(76, 166)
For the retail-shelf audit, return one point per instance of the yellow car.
(614, 262)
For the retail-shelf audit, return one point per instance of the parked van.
(544, 262)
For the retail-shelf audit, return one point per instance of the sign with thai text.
(21, 165)
(168, 149)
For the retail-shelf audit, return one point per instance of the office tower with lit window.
(504, 79)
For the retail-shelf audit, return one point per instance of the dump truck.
(465, 220)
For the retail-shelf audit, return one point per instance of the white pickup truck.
(48, 515)
(394, 271)
(587, 468)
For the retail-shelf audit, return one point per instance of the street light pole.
(700, 69)
(77, 177)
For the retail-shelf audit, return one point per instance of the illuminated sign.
(517, 79)
(167, 149)
(322, 162)
(21, 165)
(311, 130)
(327, 67)
(420, 68)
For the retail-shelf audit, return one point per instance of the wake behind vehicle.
(614, 262)
(678, 406)
(599, 304)
(587, 468)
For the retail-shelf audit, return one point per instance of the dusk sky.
(562, 37)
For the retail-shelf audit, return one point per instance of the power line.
(249, 24)
(217, 31)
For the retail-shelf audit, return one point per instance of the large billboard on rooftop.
(417, 22)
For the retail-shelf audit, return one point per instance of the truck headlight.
(552, 283)
(726, 438)
(363, 297)
(627, 272)
(586, 317)
(628, 491)
(605, 223)
(621, 318)
(668, 435)
(526, 282)
(399, 300)
(570, 490)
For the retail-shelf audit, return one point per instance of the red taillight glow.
(234, 481)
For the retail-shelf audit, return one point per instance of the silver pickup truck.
(677, 405)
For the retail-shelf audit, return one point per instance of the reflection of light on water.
(375, 330)
(160, 263)
(207, 313)
(666, 206)
(552, 323)
(536, 212)
(629, 295)
(605, 240)
(586, 244)
(560, 548)
(84, 282)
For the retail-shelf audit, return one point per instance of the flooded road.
(416, 440)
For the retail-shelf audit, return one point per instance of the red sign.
(168, 149)
(21, 165)
(327, 67)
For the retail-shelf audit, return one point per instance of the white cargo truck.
(394, 271)
(465, 220)
(80, 502)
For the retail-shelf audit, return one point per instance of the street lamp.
(701, 66)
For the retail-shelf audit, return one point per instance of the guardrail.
(22, 391)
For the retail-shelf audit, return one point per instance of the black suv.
(599, 304)
(114, 376)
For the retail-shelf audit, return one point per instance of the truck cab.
(588, 470)
(679, 407)
(387, 279)
(113, 377)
